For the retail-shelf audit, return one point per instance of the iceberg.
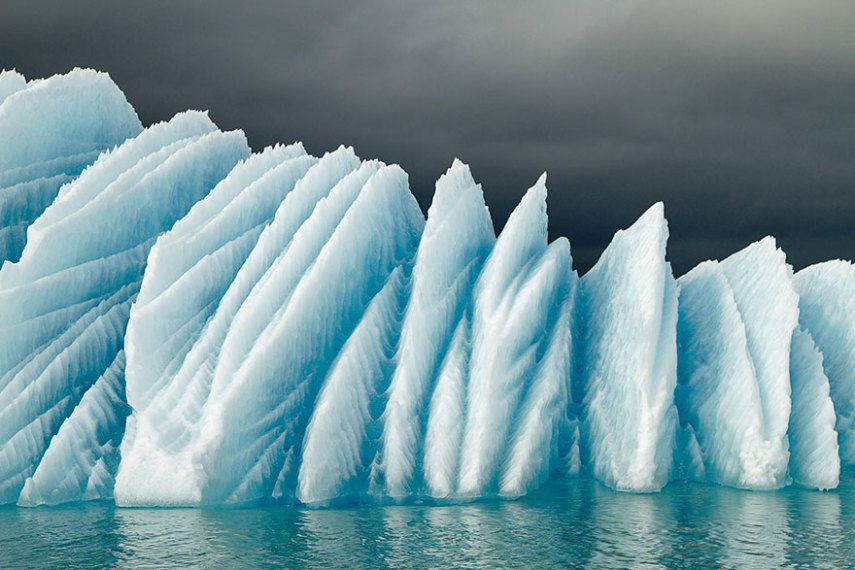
(444, 430)
(737, 320)
(184, 322)
(517, 300)
(83, 457)
(457, 237)
(50, 130)
(814, 451)
(338, 448)
(66, 303)
(754, 398)
(827, 311)
(627, 364)
(10, 82)
(308, 329)
(762, 286)
(534, 451)
(285, 294)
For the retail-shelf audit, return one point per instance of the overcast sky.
(738, 114)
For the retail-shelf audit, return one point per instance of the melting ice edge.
(184, 322)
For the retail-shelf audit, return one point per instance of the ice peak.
(455, 189)
(531, 211)
(651, 225)
(652, 217)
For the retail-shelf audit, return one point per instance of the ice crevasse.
(184, 322)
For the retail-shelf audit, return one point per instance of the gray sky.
(738, 114)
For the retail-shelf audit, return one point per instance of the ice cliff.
(185, 322)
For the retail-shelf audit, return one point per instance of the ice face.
(83, 457)
(191, 266)
(63, 115)
(399, 350)
(827, 311)
(763, 290)
(10, 82)
(718, 396)
(517, 301)
(628, 357)
(541, 421)
(814, 453)
(66, 303)
(276, 297)
(309, 329)
(736, 326)
(338, 449)
(185, 323)
(458, 236)
(50, 130)
(446, 415)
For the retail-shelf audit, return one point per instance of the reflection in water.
(50, 537)
(336, 538)
(630, 529)
(754, 529)
(569, 523)
(820, 536)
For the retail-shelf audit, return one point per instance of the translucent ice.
(10, 81)
(827, 311)
(518, 299)
(762, 287)
(458, 236)
(50, 130)
(337, 451)
(718, 397)
(63, 115)
(185, 323)
(628, 358)
(736, 324)
(81, 461)
(814, 453)
(238, 444)
(65, 304)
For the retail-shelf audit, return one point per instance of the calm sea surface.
(577, 523)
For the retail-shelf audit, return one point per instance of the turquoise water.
(575, 522)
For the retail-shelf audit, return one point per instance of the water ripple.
(575, 523)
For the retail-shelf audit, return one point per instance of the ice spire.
(628, 356)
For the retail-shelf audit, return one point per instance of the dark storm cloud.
(740, 115)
